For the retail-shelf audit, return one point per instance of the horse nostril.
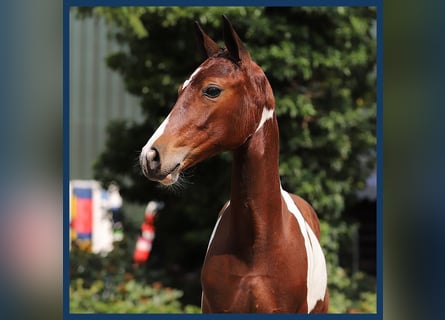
(151, 155)
(153, 158)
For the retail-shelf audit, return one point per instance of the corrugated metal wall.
(97, 94)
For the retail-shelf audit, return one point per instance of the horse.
(264, 254)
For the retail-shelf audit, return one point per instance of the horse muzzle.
(154, 167)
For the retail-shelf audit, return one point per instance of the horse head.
(219, 107)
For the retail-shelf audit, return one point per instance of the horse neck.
(255, 193)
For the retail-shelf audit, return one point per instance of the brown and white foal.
(264, 253)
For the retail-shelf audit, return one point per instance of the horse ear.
(207, 46)
(234, 45)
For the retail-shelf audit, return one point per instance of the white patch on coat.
(213, 235)
(217, 223)
(186, 82)
(316, 273)
(266, 115)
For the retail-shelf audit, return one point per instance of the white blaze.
(316, 264)
(154, 137)
(161, 128)
(186, 82)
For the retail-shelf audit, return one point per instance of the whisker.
(136, 164)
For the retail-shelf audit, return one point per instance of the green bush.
(125, 297)
(351, 293)
(112, 284)
(348, 291)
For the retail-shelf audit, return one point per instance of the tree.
(321, 63)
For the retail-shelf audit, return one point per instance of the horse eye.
(212, 91)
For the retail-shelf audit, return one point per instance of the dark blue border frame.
(66, 158)
(379, 221)
(379, 261)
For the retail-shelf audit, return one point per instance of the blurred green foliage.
(127, 297)
(112, 284)
(321, 63)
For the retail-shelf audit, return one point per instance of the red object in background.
(144, 242)
(142, 251)
(83, 220)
